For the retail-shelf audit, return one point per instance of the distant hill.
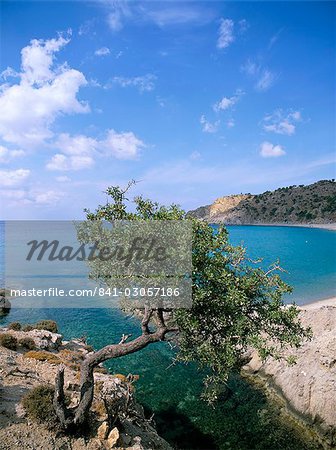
(312, 204)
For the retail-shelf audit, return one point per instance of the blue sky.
(194, 100)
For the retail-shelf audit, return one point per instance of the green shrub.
(27, 343)
(27, 327)
(38, 404)
(16, 326)
(48, 325)
(8, 341)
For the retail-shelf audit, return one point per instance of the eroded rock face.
(309, 386)
(284, 205)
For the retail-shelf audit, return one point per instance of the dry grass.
(42, 355)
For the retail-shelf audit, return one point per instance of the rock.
(5, 305)
(79, 444)
(95, 444)
(20, 412)
(112, 438)
(273, 207)
(309, 386)
(44, 340)
(72, 386)
(125, 440)
(103, 430)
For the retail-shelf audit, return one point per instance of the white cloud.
(76, 145)
(17, 153)
(38, 58)
(114, 20)
(227, 102)
(20, 197)
(46, 198)
(7, 155)
(207, 126)
(225, 33)
(179, 15)
(268, 150)
(281, 123)
(230, 123)
(87, 28)
(162, 15)
(9, 73)
(118, 13)
(62, 179)
(296, 115)
(103, 51)
(265, 81)
(274, 38)
(11, 178)
(63, 163)
(195, 155)
(250, 67)
(264, 78)
(243, 25)
(122, 145)
(143, 83)
(13, 194)
(44, 92)
(79, 152)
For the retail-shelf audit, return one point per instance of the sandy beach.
(325, 226)
(319, 303)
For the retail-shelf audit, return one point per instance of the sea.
(243, 420)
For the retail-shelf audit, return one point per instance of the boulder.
(5, 305)
(44, 340)
(103, 431)
(113, 438)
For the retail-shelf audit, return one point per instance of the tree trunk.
(79, 415)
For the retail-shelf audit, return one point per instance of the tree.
(236, 306)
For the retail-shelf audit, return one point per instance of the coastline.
(323, 226)
(319, 304)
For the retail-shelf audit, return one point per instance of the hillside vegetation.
(312, 204)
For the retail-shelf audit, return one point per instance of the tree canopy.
(236, 306)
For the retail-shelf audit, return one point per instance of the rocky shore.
(5, 304)
(307, 389)
(24, 369)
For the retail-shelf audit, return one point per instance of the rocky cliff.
(307, 388)
(312, 204)
(21, 370)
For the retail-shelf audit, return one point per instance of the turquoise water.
(245, 420)
(307, 254)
